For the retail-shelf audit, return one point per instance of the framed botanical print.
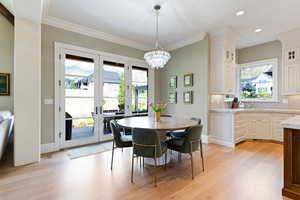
(173, 97)
(188, 97)
(188, 80)
(173, 82)
(4, 84)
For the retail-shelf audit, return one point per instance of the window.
(139, 90)
(257, 81)
(113, 88)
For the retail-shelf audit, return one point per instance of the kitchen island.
(291, 186)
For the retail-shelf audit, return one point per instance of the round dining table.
(165, 123)
(162, 127)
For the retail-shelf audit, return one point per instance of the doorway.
(95, 88)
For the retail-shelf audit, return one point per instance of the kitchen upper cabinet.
(291, 62)
(223, 63)
(291, 71)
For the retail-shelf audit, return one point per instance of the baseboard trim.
(204, 139)
(221, 142)
(48, 148)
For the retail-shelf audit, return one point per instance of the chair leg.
(112, 155)
(179, 156)
(155, 181)
(140, 161)
(201, 152)
(132, 164)
(192, 163)
(166, 158)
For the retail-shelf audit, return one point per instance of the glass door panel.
(79, 99)
(114, 93)
(139, 93)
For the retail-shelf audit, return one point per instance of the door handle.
(100, 110)
(96, 110)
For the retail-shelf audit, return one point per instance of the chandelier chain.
(157, 33)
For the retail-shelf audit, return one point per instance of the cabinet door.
(277, 130)
(252, 130)
(241, 127)
(292, 56)
(263, 129)
(230, 77)
(291, 81)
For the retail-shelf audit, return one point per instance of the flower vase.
(157, 116)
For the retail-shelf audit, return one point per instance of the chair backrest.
(196, 119)
(193, 137)
(115, 128)
(6, 128)
(146, 142)
(166, 115)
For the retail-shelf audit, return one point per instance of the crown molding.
(186, 42)
(59, 23)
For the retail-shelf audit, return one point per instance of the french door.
(79, 98)
(94, 89)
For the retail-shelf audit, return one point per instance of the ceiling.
(181, 21)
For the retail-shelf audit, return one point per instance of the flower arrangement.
(158, 107)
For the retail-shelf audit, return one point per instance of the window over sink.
(257, 81)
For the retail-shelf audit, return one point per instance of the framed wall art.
(188, 97)
(173, 82)
(173, 97)
(188, 80)
(4, 84)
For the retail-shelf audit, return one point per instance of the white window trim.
(274, 62)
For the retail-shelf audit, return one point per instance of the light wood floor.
(252, 171)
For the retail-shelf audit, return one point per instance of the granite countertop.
(292, 123)
(256, 110)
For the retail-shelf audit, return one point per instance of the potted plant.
(158, 108)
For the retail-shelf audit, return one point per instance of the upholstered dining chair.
(147, 144)
(119, 141)
(182, 133)
(165, 115)
(188, 143)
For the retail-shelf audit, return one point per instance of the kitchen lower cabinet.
(230, 128)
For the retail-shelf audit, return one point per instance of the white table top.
(166, 123)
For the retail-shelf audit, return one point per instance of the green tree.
(121, 94)
(249, 91)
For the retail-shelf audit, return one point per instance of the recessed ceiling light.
(240, 13)
(258, 30)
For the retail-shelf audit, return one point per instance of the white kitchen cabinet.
(230, 128)
(220, 128)
(277, 130)
(290, 62)
(223, 63)
(291, 71)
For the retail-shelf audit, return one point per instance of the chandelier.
(158, 57)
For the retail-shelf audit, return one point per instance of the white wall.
(27, 86)
(6, 59)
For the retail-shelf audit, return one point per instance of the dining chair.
(166, 115)
(182, 133)
(147, 144)
(119, 140)
(189, 143)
